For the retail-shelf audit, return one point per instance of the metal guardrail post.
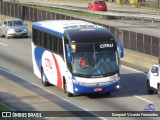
(152, 20)
(142, 19)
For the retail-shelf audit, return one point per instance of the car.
(153, 80)
(14, 28)
(97, 5)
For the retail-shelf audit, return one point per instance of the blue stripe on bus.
(38, 26)
(38, 52)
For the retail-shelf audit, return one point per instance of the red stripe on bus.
(59, 79)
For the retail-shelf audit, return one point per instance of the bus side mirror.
(120, 50)
(69, 55)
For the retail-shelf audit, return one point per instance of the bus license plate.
(97, 89)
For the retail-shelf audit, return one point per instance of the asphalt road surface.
(15, 57)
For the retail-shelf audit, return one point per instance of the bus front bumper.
(82, 89)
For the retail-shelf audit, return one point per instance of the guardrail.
(111, 14)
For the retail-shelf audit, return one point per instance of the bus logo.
(48, 63)
(106, 45)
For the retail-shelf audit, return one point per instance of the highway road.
(146, 27)
(112, 7)
(16, 64)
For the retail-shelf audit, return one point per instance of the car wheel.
(44, 82)
(2, 36)
(66, 91)
(158, 90)
(27, 36)
(149, 90)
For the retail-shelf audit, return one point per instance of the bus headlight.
(78, 82)
(75, 81)
(82, 83)
(118, 86)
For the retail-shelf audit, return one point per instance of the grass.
(70, 12)
(82, 13)
(3, 107)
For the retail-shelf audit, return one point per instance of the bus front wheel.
(66, 91)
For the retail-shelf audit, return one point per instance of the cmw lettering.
(106, 45)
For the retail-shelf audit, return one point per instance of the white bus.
(76, 56)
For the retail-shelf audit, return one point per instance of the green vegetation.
(70, 12)
(3, 107)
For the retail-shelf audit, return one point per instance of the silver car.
(13, 28)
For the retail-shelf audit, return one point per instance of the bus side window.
(45, 39)
(60, 46)
(34, 33)
(54, 44)
(49, 42)
(42, 39)
(38, 38)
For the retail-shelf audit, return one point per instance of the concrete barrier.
(130, 56)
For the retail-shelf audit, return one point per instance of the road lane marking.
(3, 44)
(133, 69)
(141, 98)
(148, 101)
(87, 110)
(138, 97)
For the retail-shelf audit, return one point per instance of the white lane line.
(102, 118)
(133, 70)
(3, 44)
(148, 101)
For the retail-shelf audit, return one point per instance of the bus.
(58, 47)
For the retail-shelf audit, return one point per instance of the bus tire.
(44, 82)
(158, 90)
(66, 91)
(149, 90)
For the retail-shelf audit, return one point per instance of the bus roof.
(58, 27)
(97, 35)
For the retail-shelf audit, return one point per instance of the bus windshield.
(94, 60)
